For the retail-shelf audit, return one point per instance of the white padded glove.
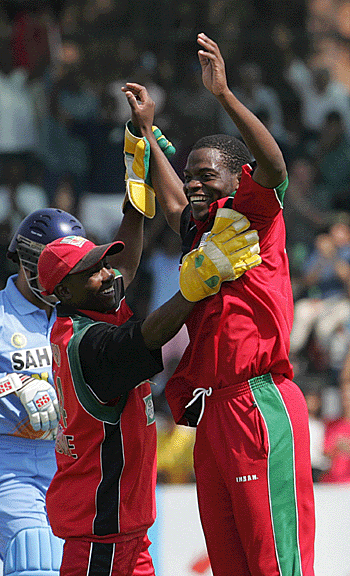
(37, 396)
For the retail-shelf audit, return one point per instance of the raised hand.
(213, 65)
(141, 104)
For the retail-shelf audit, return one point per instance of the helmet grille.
(29, 252)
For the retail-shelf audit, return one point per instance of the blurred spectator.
(18, 126)
(337, 441)
(35, 38)
(340, 341)
(283, 46)
(101, 215)
(145, 73)
(319, 94)
(70, 100)
(5, 24)
(193, 104)
(193, 111)
(344, 376)
(317, 425)
(174, 451)
(104, 136)
(306, 212)
(258, 98)
(75, 97)
(105, 18)
(332, 157)
(338, 348)
(7, 267)
(18, 197)
(65, 197)
(326, 306)
(340, 233)
(70, 19)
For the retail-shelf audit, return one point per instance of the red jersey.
(337, 433)
(243, 331)
(104, 487)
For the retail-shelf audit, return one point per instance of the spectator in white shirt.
(18, 128)
(319, 94)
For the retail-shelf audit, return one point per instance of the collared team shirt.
(242, 331)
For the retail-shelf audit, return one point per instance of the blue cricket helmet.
(38, 229)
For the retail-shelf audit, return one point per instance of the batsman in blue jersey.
(28, 404)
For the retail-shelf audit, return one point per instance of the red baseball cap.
(70, 255)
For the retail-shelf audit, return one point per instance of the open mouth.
(108, 291)
(199, 199)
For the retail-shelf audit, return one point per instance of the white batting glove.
(40, 401)
(37, 396)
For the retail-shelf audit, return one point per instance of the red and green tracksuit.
(252, 457)
(103, 493)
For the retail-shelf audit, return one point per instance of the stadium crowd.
(62, 117)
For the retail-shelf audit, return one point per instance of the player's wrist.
(222, 93)
(13, 383)
(147, 132)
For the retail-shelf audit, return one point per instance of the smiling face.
(92, 289)
(206, 180)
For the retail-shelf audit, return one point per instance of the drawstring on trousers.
(197, 393)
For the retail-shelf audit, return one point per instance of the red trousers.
(254, 484)
(84, 558)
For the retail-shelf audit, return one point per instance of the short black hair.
(234, 152)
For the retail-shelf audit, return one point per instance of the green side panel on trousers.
(281, 474)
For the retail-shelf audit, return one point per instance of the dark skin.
(93, 290)
(205, 178)
(130, 232)
(270, 170)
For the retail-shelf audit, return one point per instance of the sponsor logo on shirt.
(18, 340)
(31, 359)
(247, 478)
(149, 409)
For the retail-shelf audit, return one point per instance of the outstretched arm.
(131, 233)
(162, 324)
(271, 169)
(165, 181)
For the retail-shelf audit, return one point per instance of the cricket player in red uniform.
(234, 382)
(101, 500)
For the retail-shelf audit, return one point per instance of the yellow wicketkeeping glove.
(139, 190)
(224, 254)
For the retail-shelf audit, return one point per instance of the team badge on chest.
(18, 340)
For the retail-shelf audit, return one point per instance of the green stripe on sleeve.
(281, 190)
